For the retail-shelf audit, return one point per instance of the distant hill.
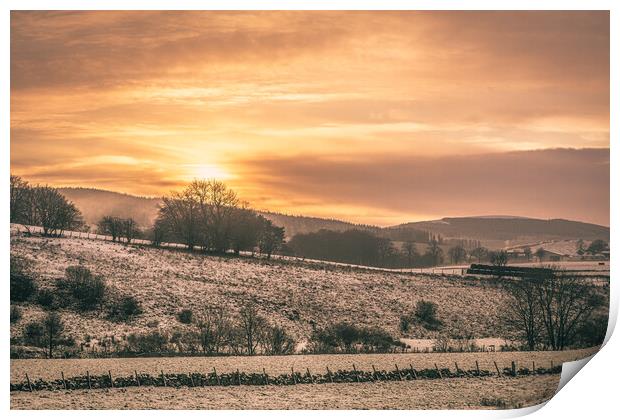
(94, 204)
(492, 231)
(507, 228)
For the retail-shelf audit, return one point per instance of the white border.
(592, 394)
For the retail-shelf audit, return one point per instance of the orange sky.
(375, 117)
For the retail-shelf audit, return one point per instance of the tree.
(110, 225)
(130, 229)
(457, 254)
(277, 341)
(540, 254)
(245, 230)
(410, 251)
(528, 253)
(435, 252)
(479, 253)
(522, 313)
(271, 237)
(19, 191)
(565, 302)
(53, 328)
(214, 328)
(499, 258)
(252, 327)
(53, 212)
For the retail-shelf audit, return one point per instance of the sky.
(370, 117)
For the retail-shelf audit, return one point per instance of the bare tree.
(53, 212)
(130, 229)
(410, 251)
(253, 328)
(435, 251)
(479, 253)
(53, 327)
(527, 251)
(565, 302)
(457, 254)
(19, 199)
(271, 237)
(499, 258)
(522, 313)
(110, 225)
(277, 341)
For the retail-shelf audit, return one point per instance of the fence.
(197, 379)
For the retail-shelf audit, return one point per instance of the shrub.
(124, 308)
(277, 341)
(346, 337)
(405, 323)
(185, 316)
(34, 334)
(426, 314)
(46, 298)
(83, 286)
(151, 342)
(23, 285)
(16, 314)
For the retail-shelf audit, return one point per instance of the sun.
(207, 171)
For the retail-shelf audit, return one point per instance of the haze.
(372, 117)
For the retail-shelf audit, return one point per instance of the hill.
(503, 228)
(492, 231)
(298, 296)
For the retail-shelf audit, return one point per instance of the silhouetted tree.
(540, 254)
(457, 254)
(499, 258)
(435, 251)
(270, 238)
(479, 253)
(528, 253)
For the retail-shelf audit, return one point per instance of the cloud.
(566, 183)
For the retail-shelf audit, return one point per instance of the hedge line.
(178, 380)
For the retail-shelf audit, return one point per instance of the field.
(489, 393)
(426, 394)
(297, 296)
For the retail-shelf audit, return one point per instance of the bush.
(185, 316)
(23, 285)
(34, 334)
(347, 338)
(426, 315)
(46, 298)
(124, 308)
(16, 314)
(88, 290)
(147, 343)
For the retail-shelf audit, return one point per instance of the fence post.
(191, 377)
(137, 377)
(293, 376)
(357, 378)
(238, 377)
(217, 378)
(111, 380)
(163, 377)
(438, 371)
(514, 368)
(533, 367)
(415, 375)
(456, 365)
(88, 378)
(400, 377)
(329, 375)
(265, 377)
(29, 384)
(64, 383)
(309, 375)
(497, 368)
(477, 368)
(374, 372)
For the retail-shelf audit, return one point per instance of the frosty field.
(297, 296)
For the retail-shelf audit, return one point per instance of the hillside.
(297, 296)
(511, 228)
(493, 231)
